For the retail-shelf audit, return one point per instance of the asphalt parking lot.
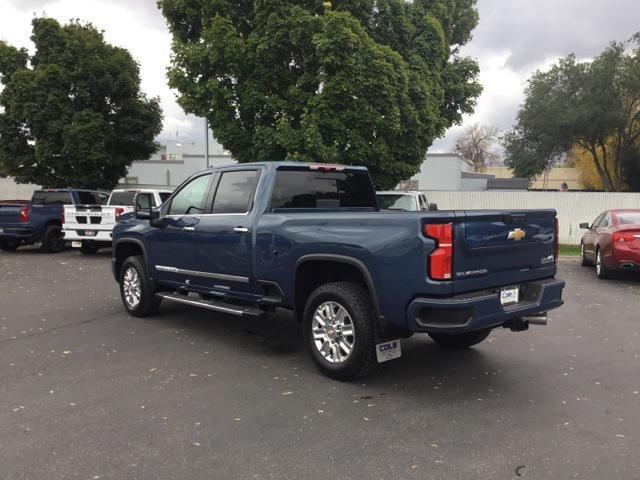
(88, 392)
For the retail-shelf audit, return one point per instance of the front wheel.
(583, 257)
(338, 330)
(53, 240)
(136, 289)
(460, 340)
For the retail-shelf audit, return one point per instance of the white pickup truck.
(89, 227)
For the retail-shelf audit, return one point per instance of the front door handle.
(189, 229)
(241, 229)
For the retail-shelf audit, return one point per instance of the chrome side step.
(239, 310)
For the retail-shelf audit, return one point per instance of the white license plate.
(388, 351)
(76, 244)
(509, 295)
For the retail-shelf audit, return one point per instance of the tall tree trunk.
(603, 176)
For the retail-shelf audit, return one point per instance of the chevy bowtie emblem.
(517, 234)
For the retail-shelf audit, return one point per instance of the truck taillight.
(556, 240)
(119, 212)
(441, 259)
(24, 214)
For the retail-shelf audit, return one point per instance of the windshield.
(397, 202)
(629, 218)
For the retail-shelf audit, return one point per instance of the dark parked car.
(612, 242)
(245, 239)
(40, 221)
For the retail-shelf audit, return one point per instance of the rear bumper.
(101, 236)
(17, 233)
(479, 310)
(624, 258)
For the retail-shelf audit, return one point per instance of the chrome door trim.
(195, 273)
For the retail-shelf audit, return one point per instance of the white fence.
(573, 207)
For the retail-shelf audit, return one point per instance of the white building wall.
(573, 207)
(441, 171)
(10, 190)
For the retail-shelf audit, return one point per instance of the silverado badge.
(517, 234)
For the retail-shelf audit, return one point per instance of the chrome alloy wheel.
(333, 332)
(132, 287)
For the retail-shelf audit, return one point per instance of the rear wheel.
(52, 240)
(89, 247)
(603, 272)
(338, 330)
(583, 258)
(136, 288)
(9, 245)
(460, 340)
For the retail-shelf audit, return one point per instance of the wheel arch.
(124, 248)
(356, 269)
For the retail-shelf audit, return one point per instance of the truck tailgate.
(87, 215)
(498, 248)
(10, 213)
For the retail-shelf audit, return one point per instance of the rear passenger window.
(297, 188)
(235, 191)
(51, 198)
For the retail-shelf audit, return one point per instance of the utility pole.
(206, 141)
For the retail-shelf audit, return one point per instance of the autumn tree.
(477, 144)
(72, 114)
(350, 81)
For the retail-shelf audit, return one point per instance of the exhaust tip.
(538, 319)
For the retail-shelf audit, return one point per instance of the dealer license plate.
(509, 295)
(388, 351)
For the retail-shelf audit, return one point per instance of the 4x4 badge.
(517, 234)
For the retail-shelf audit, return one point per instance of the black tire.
(9, 245)
(53, 239)
(583, 257)
(148, 302)
(355, 300)
(89, 247)
(460, 340)
(602, 272)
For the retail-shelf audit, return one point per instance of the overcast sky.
(513, 39)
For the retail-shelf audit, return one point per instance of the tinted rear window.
(51, 198)
(92, 198)
(235, 191)
(315, 189)
(164, 196)
(122, 198)
(629, 218)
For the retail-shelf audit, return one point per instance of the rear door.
(493, 248)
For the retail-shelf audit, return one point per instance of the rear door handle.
(241, 229)
(189, 229)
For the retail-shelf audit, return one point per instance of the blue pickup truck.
(40, 221)
(246, 239)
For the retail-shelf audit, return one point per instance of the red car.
(612, 242)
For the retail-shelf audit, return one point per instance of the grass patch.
(570, 250)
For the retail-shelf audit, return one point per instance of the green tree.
(593, 106)
(73, 112)
(350, 81)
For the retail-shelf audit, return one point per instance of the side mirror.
(584, 226)
(433, 207)
(143, 210)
